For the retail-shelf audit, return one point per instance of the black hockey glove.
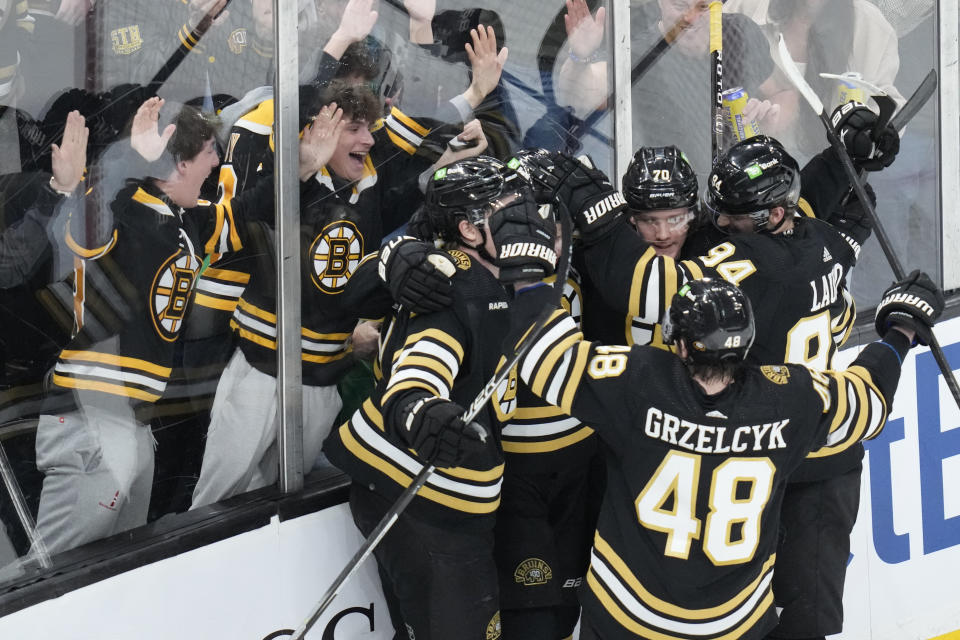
(537, 167)
(852, 218)
(417, 274)
(593, 204)
(524, 235)
(854, 123)
(914, 302)
(433, 428)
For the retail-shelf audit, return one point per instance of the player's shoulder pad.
(258, 120)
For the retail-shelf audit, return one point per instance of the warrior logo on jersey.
(461, 259)
(170, 293)
(237, 41)
(336, 252)
(126, 40)
(493, 628)
(776, 373)
(532, 572)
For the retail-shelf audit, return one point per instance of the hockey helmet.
(751, 178)
(715, 319)
(659, 178)
(462, 191)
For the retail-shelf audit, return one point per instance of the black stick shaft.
(716, 78)
(884, 241)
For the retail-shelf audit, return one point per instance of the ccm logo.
(609, 203)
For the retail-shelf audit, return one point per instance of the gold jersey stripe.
(105, 387)
(204, 300)
(614, 609)
(546, 446)
(120, 361)
(403, 479)
(409, 122)
(226, 274)
(438, 336)
(620, 567)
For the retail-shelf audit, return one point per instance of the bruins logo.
(493, 628)
(505, 395)
(776, 373)
(170, 293)
(237, 41)
(533, 572)
(461, 259)
(126, 40)
(335, 253)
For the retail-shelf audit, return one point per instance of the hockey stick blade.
(789, 67)
(916, 101)
(852, 78)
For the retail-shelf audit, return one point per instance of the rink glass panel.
(103, 65)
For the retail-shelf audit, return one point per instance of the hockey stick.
(716, 77)
(183, 50)
(916, 101)
(789, 67)
(391, 516)
(887, 106)
(37, 547)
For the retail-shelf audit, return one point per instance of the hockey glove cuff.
(417, 274)
(434, 429)
(914, 302)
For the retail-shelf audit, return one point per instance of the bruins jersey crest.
(126, 40)
(493, 628)
(776, 373)
(237, 40)
(461, 259)
(505, 395)
(533, 572)
(170, 293)
(335, 253)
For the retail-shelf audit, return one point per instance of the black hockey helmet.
(751, 178)
(461, 191)
(659, 178)
(714, 318)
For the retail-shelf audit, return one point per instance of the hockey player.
(436, 564)
(134, 271)
(698, 449)
(348, 208)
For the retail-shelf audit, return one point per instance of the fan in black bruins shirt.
(133, 272)
(699, 448)
(436, 564)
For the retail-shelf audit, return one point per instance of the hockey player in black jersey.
(436, 564)
(699, 448)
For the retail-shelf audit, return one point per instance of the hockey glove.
(914, 302)
(524, 235)
(417, 275)
(854, 124)
(593, 204)
(852, 218)
(433, 428)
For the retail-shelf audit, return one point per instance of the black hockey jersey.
(685, 545)
(795, 282)
(450, 354)
(340, 224)
(541, 438)
(132, 291)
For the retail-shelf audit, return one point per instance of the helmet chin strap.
(481, 248)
